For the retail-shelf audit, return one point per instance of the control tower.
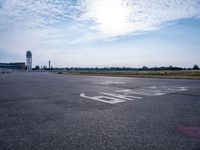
(29, 60)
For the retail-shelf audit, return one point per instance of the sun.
(111, 16)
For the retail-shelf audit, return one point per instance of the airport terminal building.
(12, 67)
(18, 65)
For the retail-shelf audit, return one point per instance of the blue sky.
(101, 33)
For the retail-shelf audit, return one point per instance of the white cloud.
(35, 13)
(73, 32)
(103, 18)
(120, 17)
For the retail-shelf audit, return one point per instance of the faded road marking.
(126, 97)
(153, 90)
(109, 82)
(145, 92)
(105, 99)
(132, 94)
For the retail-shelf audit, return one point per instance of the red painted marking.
(193, 132)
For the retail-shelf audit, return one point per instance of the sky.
(101, 33)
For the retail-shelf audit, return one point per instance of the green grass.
(186, 74)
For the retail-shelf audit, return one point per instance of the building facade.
(17, 65)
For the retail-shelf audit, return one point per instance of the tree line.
(144, 68)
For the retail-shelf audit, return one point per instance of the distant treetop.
(196, 67)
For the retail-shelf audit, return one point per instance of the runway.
(54, 111)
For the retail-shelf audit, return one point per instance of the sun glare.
(111, 16)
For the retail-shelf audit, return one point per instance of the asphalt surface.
(41, 111)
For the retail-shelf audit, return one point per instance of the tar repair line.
(127, 94)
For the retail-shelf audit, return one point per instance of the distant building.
(49, 64)
(17, 65)
(9, 67)
(29, 60)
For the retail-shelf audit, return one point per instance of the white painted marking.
(172, 89)
(145, 92)
(160, 94)
(153, 90)
(183, 88)
(153, 87)
(110, 100)
(109, 82)
(113, 98)
(168, 89)
(126, 97)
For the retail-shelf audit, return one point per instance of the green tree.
(145, 68)
(195, 67)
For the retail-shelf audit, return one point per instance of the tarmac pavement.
(44, 111)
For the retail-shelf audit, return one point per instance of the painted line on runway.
(105, 99)
(119, 96)
(144, 92)
(109, 82)
(126, 97)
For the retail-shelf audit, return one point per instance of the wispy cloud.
(103, 18)
(121, 17)
(35, 13)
